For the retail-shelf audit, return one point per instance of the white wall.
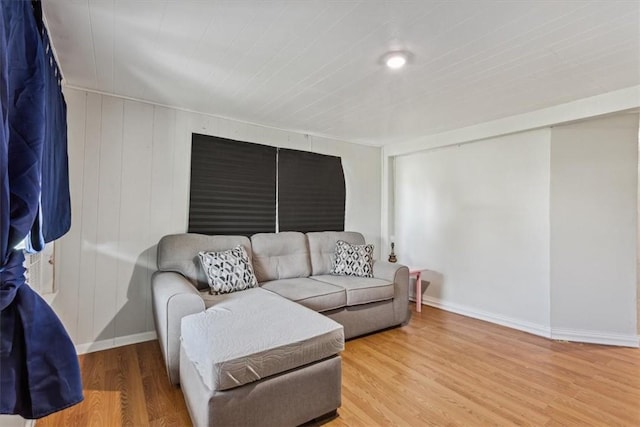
(477, 215)
(537, 230)
(594, 175)
(129, 173)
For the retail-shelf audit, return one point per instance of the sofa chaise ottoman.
(257, 359)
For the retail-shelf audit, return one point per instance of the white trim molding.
(561, 334)
(595, 337)
(115, 342)
(366, 143)
(510, 322)
(627, 99)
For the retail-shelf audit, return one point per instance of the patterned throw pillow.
(228, 271)
(353, 260)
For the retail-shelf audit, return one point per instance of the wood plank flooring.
(440, 369)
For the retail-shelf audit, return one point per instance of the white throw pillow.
(228, 271)
(353, 260)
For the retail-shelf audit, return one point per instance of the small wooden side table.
(417, 273)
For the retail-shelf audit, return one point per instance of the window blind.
(311, 191)
(233, 187)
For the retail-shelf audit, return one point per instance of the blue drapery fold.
(55, 201)
(39, 372)
(54, 216)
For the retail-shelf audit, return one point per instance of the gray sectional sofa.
(295, 284)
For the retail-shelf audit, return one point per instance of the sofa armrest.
(173, 298)
(399, 275)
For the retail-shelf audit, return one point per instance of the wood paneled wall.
(129, 172)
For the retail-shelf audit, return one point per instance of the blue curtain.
(55, 200)
(39, 372)
(54, 215)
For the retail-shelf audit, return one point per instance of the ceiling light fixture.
(396, 60)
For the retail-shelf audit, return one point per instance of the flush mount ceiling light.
(396, 60)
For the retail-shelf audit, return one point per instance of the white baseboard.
(574, 335)
(499, 319)
(115, 342)
(15, 421)
(595, 337)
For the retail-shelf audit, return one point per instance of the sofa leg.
(322, 419)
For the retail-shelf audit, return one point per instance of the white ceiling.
(314, 66)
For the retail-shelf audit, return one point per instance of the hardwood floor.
(441, 369)
(124, 386)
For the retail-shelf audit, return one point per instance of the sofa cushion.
(228, 271)
(360, 290)
(255, 334)
(318, 296)
(280, 255)
(322, 246)
(179, 253)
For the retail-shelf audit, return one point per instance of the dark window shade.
(233, 187)
(311, 192)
